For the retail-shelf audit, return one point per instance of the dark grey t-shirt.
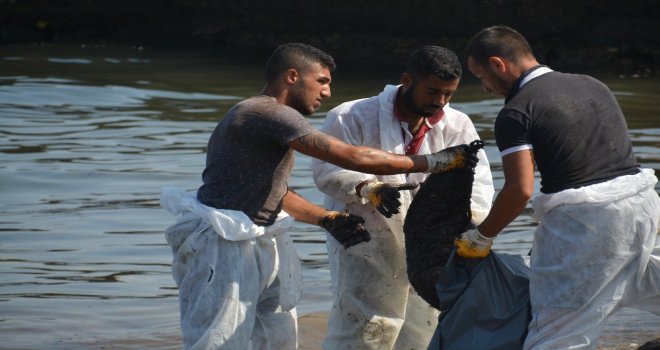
(248, 162)
(575, 126)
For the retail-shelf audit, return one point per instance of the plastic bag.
(487, 301)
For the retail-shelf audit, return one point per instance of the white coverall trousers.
(595, 251)
(231, 296)
(373, 296)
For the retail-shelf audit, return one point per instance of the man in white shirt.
(374, 306)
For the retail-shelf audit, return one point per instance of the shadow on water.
(89, 135)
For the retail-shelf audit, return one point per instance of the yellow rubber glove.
(472, 244)
(385, 196)
(452, 158)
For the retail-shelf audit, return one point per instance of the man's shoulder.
(262, 101)
(357, 106)
(357, 102)
(455, 122)
(453, 113)
(368, 103)
(265, 106)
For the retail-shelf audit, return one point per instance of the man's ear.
(406, 79)
(497, 63)
(291, 76)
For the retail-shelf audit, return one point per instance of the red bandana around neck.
(418, 138)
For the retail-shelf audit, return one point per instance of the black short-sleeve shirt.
(575, 126)
(248, 162)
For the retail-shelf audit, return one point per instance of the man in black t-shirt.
(596, 248)
(234, 265)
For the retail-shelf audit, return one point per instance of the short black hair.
(434, 60)
(500, 41)
(297, 56)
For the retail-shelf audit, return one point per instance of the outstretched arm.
(359, 158)
(347, 229)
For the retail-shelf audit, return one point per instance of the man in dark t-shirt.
(574, 126)
(233, 261)
(598, 210)
(251, 137)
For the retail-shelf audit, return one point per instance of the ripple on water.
(87, 139)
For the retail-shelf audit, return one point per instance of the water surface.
(89, 135)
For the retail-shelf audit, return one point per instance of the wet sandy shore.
(312, 330)
(313, 327)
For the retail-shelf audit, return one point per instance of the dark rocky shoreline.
(570, 35)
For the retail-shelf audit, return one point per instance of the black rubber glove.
(385, 196)
(452, 158)
(347, 229)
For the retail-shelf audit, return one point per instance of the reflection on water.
(88, 138)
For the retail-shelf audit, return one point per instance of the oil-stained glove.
(451, 158)
(347, 229)
(385, 196)
(472, 244)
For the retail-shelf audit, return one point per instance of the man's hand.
(384, 196)
(347, 229)
(472, 244)
(451, 158)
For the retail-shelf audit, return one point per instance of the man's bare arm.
(358, 158)
(301, 209)
(516, 192)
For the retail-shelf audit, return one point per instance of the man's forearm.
(358, 158)
(508, 205)
(518, 187)
(301, 209)
(375, 161)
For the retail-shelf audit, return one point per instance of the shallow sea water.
(89, 135)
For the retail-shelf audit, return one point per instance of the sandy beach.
(313, 327)
(312, 330)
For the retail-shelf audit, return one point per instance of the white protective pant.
(226, 269)
(373, 298)
(595, 251)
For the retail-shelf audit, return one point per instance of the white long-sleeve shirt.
(372, 122)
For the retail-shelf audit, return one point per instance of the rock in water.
(439, 213)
